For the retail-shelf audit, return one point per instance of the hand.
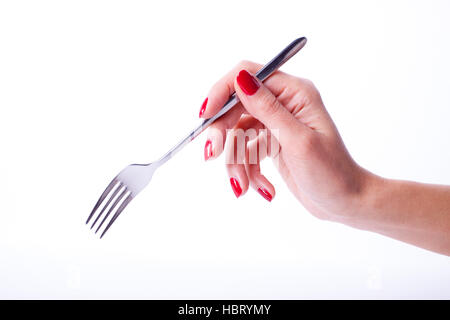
(309, 152)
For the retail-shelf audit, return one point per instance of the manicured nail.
(265, 194)
(247, 82)
(236, 187)
(203, 108)
(208, 150)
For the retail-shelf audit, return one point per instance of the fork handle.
(262, 75)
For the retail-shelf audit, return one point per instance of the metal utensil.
(134, 178)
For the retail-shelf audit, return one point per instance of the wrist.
(365, 201)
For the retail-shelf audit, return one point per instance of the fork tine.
(102, 197)
(112, 207)
(107, 203)
(118, 212)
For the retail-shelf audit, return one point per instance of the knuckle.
(310, 91)
(308, 83)
(268, 104)
(221, 87)
(307, 88)
(216, 86)
(216, 131)
(305, 83)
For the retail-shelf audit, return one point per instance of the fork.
(134, 178)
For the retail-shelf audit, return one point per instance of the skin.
(316, 166)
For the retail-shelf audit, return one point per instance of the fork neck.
(191, 136)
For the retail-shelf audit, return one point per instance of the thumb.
(264, 106)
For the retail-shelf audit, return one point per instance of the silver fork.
(134, 178)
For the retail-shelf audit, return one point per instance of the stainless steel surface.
(134, 178)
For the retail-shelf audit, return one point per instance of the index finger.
(221, 91)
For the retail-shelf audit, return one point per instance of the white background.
(88, 87)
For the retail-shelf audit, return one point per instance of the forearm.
(408, 211)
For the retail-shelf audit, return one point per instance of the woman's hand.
(314, 162)
(302, 139)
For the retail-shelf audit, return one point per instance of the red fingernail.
(236, 187)
(247, 83)
(208, 150)
(266, 195)
(203, 108)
